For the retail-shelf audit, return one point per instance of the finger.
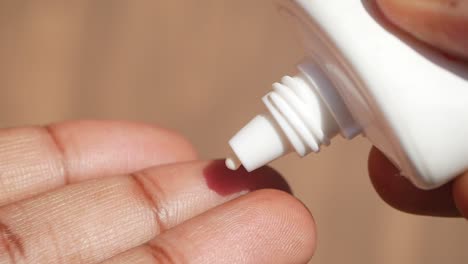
(94, 220)
(36, 159)
(263, 227)
(460, 194)
(401, 194)
(442, 23)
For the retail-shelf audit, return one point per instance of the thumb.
(441, 23)
(460, 194)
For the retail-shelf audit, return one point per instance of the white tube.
(363, 76)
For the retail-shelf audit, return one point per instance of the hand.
(77, 192)
(444, 25)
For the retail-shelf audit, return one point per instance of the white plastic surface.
(408, 99)
(300, 120)
(257, 144)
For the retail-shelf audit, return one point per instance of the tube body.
(408, 99)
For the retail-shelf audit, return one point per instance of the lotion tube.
(363, 76)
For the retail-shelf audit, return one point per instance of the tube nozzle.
(232, 162)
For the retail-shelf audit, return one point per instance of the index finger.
(37, 159)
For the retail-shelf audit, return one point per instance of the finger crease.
(153, 194)
(11, 242)
(55, 242)
(61, 150)
(161, 254)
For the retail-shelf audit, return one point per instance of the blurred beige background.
(200, 67)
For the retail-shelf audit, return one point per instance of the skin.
(121, 192)
(444, 25)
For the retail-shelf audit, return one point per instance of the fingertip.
(266, 226)
(460, 194)
(292, 206)
(387, 181)
(401, 194)
(289, 219)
